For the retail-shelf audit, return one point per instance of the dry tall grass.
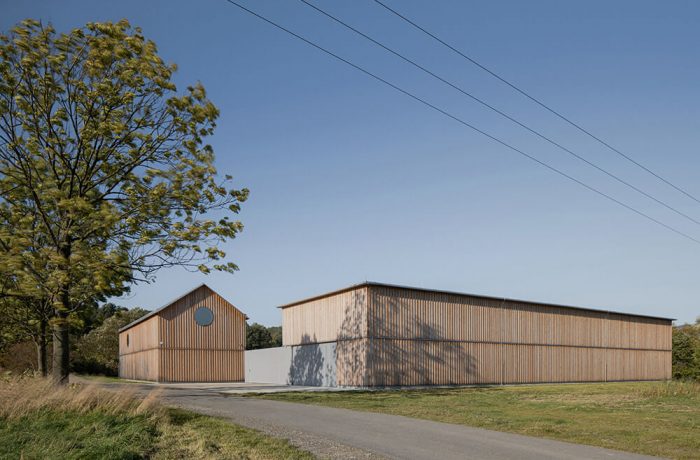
(672, 388)
(20, 396)
(39, 420)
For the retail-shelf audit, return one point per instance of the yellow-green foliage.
(105, 173)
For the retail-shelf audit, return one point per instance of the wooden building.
(388, 335)
(199, 337)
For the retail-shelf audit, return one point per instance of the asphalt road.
(342, 433)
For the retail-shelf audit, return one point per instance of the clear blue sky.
(350, 180)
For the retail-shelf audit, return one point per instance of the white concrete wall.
(308, 365)
(269, 365)
(313, 365)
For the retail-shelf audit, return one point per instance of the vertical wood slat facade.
(170, 346)
(420, 337)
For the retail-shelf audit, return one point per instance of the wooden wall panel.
(143, 336)
(202, 365)
(351, 362)
(336, 317)
(138, 351)
(425, 362)
(141, 365)
(424, 337)
(180, 331)
(405, 314)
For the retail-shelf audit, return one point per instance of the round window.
(203, 316)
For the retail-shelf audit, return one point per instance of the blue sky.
(351, 180)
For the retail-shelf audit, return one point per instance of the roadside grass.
(83, 422)
(655, 418)
(105, 379)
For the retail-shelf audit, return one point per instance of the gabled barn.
(199, 337)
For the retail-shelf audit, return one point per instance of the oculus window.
(203, 316)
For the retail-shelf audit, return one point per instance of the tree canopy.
(105, 176)
(259, 336)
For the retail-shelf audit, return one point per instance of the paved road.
(341, 433)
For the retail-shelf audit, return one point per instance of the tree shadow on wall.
(400, 348)
(313, 364)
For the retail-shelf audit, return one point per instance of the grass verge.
(92, 378)
(656, 418)
(84, 422)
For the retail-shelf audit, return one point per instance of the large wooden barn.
(199, 337)
(376, 334)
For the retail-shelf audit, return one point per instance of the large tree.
(107, 163)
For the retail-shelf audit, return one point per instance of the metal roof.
(465, 294)
(159, 309)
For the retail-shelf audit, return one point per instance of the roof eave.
(466, 294)
(159, 309)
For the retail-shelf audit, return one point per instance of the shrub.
(686, 351)
(97, 352)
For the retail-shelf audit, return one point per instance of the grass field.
(657, 418)
(83, 422)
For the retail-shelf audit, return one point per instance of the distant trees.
(97, 352)
(26, 320)
(105, 176)
(276, 335)
(94, 339)
(259, 336)
(686, 351)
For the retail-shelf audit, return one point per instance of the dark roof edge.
(157, 310)
(466, 294)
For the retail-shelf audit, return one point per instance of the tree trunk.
(42, 359)
(61, 328)
(61, 351)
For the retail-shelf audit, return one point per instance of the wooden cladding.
(340, 316)
(351, 357)
(178, 328)
(392, 336)
(413, 362)
(141, 365)
(143, 337)
(405, 314)
(202, 365)
(171, 347)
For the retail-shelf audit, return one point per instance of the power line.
(459, 120)
(538, 102)
(498, 111)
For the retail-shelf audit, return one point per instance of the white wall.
(308, 365)
(269, 365)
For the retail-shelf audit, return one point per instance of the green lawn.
(657, 418)
(83, 422)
